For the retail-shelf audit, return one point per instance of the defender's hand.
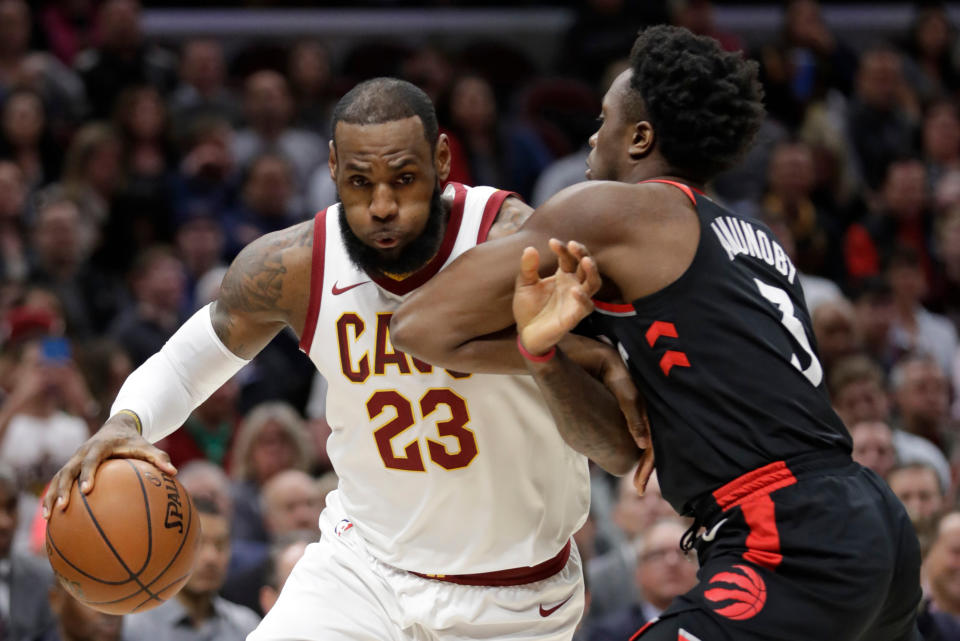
(545, 309)
(118, 438)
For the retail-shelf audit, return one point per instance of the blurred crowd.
(132, 173)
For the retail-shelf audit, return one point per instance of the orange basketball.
(129, 545)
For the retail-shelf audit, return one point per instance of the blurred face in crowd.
(291, 501)
(941, 133)
(120, 24)
(472, 105)
(77, 622)
(57, 235)
(202, 65)
(632, 512)
(269, 186)
(663, 570)
(267, 101)
(23, 119)
(272, 451)
(835, 326)
(200, 243)
(210, 485)
(862, 400)
(923, 396)
(8, 517)
(103, 169)
(873, 446)
(310, 68)
(12, 191)
(949, 242)
(285, 562)
(803, 23)
(147, 115)
(880, 79)
(918, 489)
(932, 33)
(14, 27)
(875, 314)
(908, 283)
(213, 556)
(905, 189)
(162, 284)
(942, 565)
(791, 171)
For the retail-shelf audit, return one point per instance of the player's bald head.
(381, 100)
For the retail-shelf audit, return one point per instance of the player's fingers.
(589, 275)
(61, 488)
(567, 262)
(159, 459)
(644, 470)
(88, 468)
(53, 493)
(529, 266)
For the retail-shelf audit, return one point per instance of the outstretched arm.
(263, 291)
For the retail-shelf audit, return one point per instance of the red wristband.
(542, 358)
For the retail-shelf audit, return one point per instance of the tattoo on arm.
(586, 413)
(513, 214)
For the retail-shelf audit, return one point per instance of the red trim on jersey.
(316, 280)
(636, 635)
(687, 189)
(490, 212)
(428, 271)
(616, 308)
(514, 576)
(752, 493)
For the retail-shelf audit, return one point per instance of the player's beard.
(412, 257)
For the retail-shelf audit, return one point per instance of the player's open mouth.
(386, 242)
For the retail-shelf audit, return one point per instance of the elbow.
(625, 463)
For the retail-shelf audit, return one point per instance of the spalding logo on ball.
(130, 544)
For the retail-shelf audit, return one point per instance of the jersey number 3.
(411, 459)
(780, 298)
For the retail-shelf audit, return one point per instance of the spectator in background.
(93, 173)
(24, 580)
(13, 196)
(882, 114)
(929, 66)
(914, 328)
(201, 245)
(858, 393)
(697, 16)
(311, 84)
(271, 438)
(203, 479)
(940, 140)
(206, 183)
(60, 250)
(159, 290)
(941, 572)
(873, 446)
(664, 572)
(946, 293)
(25, 139)
(69, 26)
(919, 489)
(509, 155)
(269, 202)
(78, 622)
(284, 554)
(873, 302)
(835, 327)
(105, 366)
(268, 109)
(921, 393)
(122, 58)
(208, 434)
(202, 92)
(902, 218)
(197, 613)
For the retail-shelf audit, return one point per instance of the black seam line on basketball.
(146, 507)
(116, 555)
(71, 564)
(176, 554)
(160, 591)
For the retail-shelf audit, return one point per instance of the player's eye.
(406, 179)
(358, 181)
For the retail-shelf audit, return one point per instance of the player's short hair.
(381, 100)
(705, 104)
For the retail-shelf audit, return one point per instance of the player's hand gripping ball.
(129, 544)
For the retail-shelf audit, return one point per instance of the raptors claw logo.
(738, 595)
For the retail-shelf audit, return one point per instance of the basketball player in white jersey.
(457, 496)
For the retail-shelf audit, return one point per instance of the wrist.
(533, 356)
(128, 419)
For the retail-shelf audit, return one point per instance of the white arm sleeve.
(192, 365)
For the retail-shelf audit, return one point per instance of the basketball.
(129, 545)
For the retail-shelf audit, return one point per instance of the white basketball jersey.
(440, 472)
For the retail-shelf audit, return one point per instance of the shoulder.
(239, 615)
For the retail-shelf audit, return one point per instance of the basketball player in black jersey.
(796, 541)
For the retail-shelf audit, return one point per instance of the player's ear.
(332, 161)
(642, 139)
(441, 158)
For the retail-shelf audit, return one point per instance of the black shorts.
(816, 550)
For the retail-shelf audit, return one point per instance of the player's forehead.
(394, 143)
(615, 95)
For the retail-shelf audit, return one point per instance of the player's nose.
(383, 204)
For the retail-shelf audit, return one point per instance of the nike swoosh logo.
(545, 612)
(712, 534)
(339, 290)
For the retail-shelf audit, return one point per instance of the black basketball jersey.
(726, 359)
